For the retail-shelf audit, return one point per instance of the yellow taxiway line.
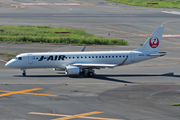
(3, 60)
(84, 115)
(78, 115)
(9, 4)
(25, 92)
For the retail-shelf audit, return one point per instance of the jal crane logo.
(154, 42)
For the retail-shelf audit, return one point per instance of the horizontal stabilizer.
(158, 54)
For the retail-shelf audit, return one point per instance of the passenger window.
(116, 56)
(85, 57)
(109, 56)
(106, 56)
(96, 56)
(73, 57)
(81, 57)
(92, 56)
(102, 56)
(119, 56)
(69, 57)
(99, 56)
(77, 57)
(89, 56)
(19, 58)
(123, 55)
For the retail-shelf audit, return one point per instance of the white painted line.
(170, 35)
(172, 12)
(34, 4)
(49, 4)
(94, 15)
(66, 4)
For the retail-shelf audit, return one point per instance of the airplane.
(76, 63)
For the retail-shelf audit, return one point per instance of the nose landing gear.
(24, 72)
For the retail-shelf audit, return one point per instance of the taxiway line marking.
(170, 42)
(44, 2)
(169, 21)
(24, 92)
(41, 94)
(3, 60)
(83, 2)
(78, 115)
(9, 4)
(62, 115)
(70, 9)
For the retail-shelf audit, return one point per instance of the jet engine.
(72, 70)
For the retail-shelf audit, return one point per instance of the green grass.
(161, 3)
(141, 44)
(176, 104)
(46, 34)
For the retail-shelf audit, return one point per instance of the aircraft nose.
(9, 64)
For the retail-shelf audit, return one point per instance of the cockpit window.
(19, 58)
(15, 58)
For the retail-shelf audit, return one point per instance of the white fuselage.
(63, 59)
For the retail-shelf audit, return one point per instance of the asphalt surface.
(141, 91)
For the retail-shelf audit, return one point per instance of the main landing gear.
(24, 72)
(90, 73)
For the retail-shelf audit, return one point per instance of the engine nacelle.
(72, 70)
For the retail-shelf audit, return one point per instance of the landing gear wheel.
(90, 74)
(24, 72)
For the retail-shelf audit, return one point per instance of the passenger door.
(30, 59)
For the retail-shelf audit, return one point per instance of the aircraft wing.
(94, 65)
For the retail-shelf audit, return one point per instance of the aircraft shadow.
(140, 75)
(106, 77)
(100, 77)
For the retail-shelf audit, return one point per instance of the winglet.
(83, 49)
(153, 42)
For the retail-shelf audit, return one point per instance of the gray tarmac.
(141, 91)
